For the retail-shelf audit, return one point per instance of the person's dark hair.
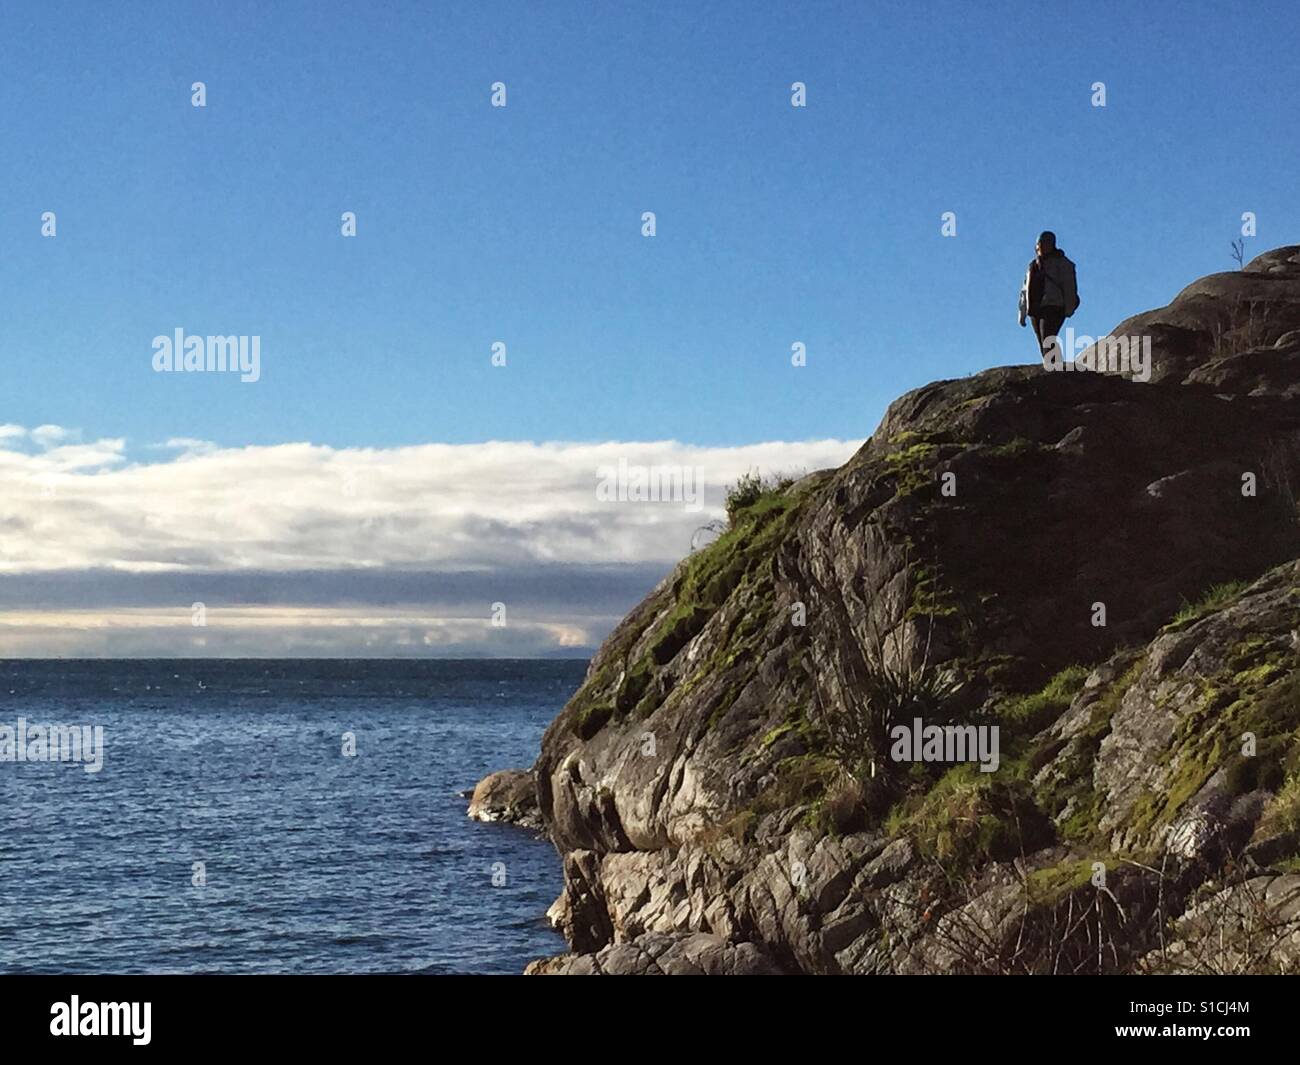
(1047, 239)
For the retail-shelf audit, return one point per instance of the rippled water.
(314, 862)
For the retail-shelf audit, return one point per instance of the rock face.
(509, 796)
(1236, 331)
(1039, 537)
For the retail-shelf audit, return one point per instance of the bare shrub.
(1235, 929)
(1238, 922)
(1008, 931)
(1244, 327)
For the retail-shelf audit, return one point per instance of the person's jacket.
(1050, 287)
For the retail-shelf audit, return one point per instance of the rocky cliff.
(1101, 567)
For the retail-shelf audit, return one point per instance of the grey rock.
(509, 796)
(657, 954)
(1074, 489)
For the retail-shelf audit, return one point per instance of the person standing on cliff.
(1049, 295)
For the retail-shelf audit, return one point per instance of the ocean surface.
(313, 861)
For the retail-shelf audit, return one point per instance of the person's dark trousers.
(1046, 327)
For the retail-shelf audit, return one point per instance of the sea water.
(229, 828)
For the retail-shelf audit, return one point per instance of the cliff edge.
(1104, 569)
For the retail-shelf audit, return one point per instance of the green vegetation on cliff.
(737, 564)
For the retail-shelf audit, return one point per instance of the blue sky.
(523, 225)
